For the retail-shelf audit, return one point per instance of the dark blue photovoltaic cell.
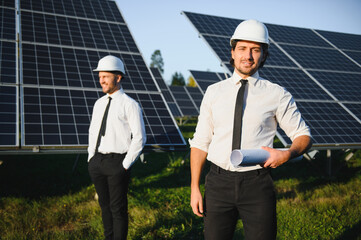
(7, 3)
(166, 92)
(330, 123)
(174, 109)
(204, 79)
(344, 86)
(327, 59)
(355, 108)
(7, 62)
(58, 66)
(294, 35)
(8, 116)
(184, 101)
(93, 9)
(196, 95)
(220, 46)
(7, 24)
(229, 67)
(160, 127)
(206, 24)
(67, 31)
(296, 82)
(343, 40)
(207, 76)
(57, 116)
(356, 56)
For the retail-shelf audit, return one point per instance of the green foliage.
(178, 79)
(42, 199)
(157, 60)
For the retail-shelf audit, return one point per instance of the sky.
(159, 24)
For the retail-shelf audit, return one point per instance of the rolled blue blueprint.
(251, 157)
(248, 157)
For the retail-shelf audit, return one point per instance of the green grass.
(41, 198)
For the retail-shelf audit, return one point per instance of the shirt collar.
(116, 94)
(252, 79)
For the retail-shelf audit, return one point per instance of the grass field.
(41, 198)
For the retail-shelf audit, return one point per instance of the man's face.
(109, 82)
(247, 57)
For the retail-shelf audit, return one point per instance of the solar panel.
(329, 123)
(166, 92)
(294, 35)
(7, 23)
(297, 82)
(61, 42)
(204, 79)
(355, 108)
(355, 56)
(9, 122)
(321, 69)
(343, 41)
(184, 101)
(344, 86)
(302, 56)
(9, 118)
(196, 96)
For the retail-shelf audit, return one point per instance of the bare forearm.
(300, 145)
(198, 158)
(278, 157)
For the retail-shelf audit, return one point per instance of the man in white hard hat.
(242, 112)
(116, 139)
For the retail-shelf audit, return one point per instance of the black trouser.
(232, 195)
(111, 182)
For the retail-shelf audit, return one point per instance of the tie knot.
(244, 81)
(109, 99)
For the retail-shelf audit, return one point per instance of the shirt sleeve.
(289, 117)
(204, 130)
(136, 124)
(92, 138)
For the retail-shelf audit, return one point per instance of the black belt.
(255, 172)
(112, 155)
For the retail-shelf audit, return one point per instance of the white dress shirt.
(265, 104)
(125, 130)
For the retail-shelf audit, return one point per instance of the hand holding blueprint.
(251, 157)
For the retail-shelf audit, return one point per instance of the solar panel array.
(321, 69)
(60, 43)
(166, 92)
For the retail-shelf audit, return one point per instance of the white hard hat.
(110, 64)
(251, 30)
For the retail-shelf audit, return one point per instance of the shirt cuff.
(193, 144)
(127, 163)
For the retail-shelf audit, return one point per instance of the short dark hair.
(264, 50)
(118, 73)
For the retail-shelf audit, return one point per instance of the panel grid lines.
(62, 42)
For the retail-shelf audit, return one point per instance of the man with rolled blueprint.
(242, 112)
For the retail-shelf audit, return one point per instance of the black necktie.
(237, 123)
(103, 126)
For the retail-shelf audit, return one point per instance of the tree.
(157, 60)
(178, 79)
(191, 82)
